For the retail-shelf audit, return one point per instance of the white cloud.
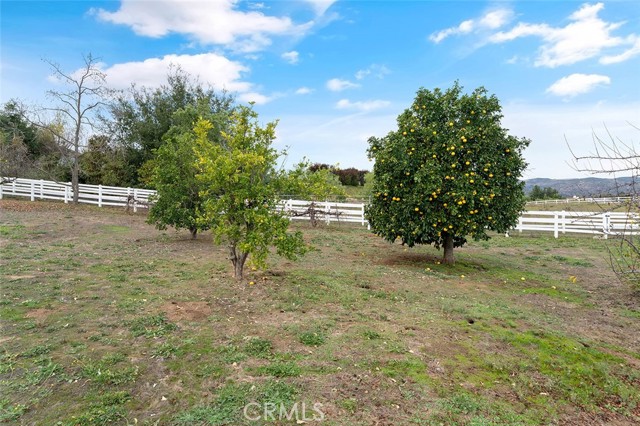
(379, 71)
(208, 22)
(495, 19)
(320, 6)
(576, 84)
(362, 105)
(209, 68)
(291, 57)
(491, 20)
(634, 50)
(257, 98)
(585, 37)
(338, 85)
(304, 91)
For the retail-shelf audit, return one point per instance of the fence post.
(361, 210)
(606, 223)
(135, 198)
(564, 214)
(99, 195)
(555, 225)
(66, 194)
(13, 187)
(520, 224)
(1, 192)
(41, 189)
(327, 211)
(32, 192)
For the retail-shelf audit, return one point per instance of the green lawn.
(107, 321)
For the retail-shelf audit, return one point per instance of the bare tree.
(76, 107)
(614, 157)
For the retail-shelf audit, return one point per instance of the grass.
(129, 325)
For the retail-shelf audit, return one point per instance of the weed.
(107, 370)
(10, 412)
(166, 350)
(371, 335)
(349, 404)
(46, 370)
(312, 338)
(226, 409)
(36, 351)
(280, 369)
(151, 326)
(257, 347)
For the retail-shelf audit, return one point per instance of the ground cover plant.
(107, 321)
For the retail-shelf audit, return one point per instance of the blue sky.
(337, 72)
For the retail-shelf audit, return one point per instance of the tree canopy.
(449, 171)
(173, 171)
(139, 119)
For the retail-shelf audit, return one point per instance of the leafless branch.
(614, 156)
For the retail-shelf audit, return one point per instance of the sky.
(335, 73)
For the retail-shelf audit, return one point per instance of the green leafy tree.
(450, 171)
(139, 119)
(27, 150)
(309, 183)
(546, 193)
(102, 164)
(173, 171)
(242, 185)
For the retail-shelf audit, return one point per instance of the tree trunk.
(238, 259)
(448, 259)
(75, 172)
(194, 233)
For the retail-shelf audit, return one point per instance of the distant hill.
(584, 187)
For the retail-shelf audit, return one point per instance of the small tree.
(241, 185)
(448, 172)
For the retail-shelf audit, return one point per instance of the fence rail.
(604, 223)
(600, 200)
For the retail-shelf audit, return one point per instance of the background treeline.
(122, 145)
(347, 177)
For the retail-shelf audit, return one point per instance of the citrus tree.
(450, 171)
(178, 200)
(241, 182)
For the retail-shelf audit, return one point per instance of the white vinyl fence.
(327, 211)
(604, 224)
(99, 195)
